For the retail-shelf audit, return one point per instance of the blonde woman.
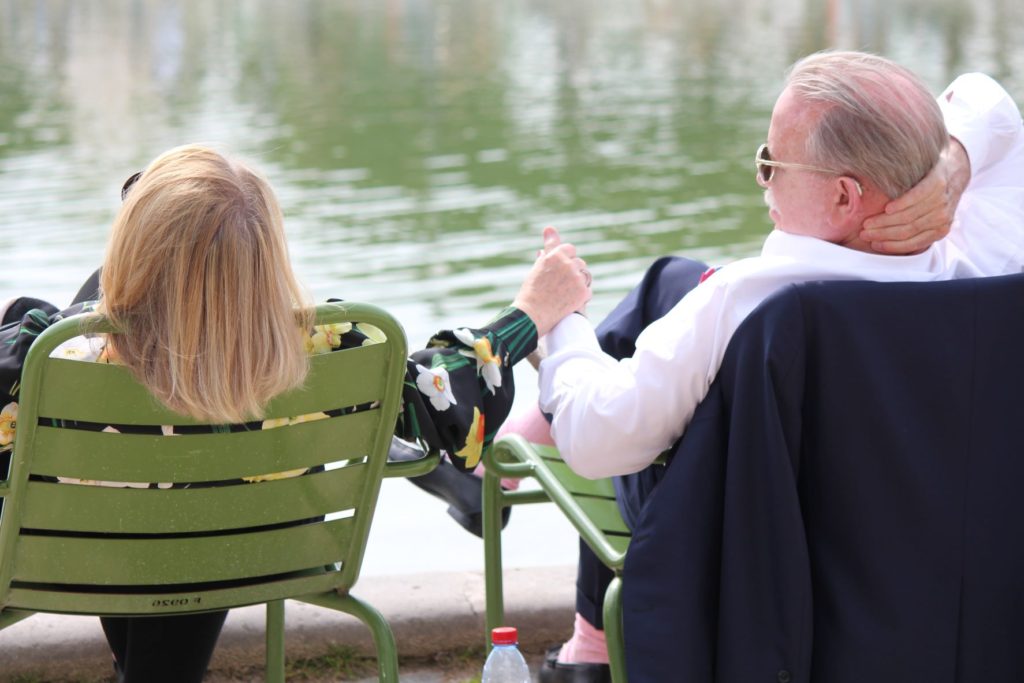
(213, 321)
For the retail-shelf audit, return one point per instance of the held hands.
(924, 214)
(557, 285)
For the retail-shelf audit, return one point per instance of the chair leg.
(493, 584)
(613, 630)
(275, 641)
(383, 638)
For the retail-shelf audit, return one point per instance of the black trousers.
(164, 649)
(663, 285)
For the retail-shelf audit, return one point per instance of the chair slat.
(604, 513)
(140, 562)
(336, 380)
(576, 484)
(97, 509)
(105, 456)
(165, 602)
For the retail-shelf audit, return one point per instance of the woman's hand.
(924, 214)
(557, 285)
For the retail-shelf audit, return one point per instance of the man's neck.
(853, 241)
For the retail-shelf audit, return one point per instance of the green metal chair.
(588, 504)
(101, 550)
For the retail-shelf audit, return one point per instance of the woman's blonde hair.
(198, 282)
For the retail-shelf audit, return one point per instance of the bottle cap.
(504, 635)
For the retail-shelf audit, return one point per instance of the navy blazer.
(848, 502)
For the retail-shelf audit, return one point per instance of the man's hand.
(557, 285)
(924, 214)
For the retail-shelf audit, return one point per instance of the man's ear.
(849, 192)
(846, 209)
(846, 201)
(847, 212)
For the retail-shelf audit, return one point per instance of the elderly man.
(849, 132)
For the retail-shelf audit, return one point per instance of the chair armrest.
(506, 458)
(412, 468)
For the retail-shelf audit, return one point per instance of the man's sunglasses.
(766, 167)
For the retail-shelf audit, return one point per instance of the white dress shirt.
(615, 417)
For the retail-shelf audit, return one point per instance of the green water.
(419, 146)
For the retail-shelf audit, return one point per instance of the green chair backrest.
(110, 550)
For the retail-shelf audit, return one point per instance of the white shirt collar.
(923, 266)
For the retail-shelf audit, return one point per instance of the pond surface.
(419, 146)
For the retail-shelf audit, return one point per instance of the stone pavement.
(429, 614)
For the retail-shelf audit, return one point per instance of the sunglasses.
(766, 167)
(132, 179)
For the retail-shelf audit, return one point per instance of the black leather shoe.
(554, 671)
(461, 490)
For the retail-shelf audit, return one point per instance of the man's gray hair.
(878, 121)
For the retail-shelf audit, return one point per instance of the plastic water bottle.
(505, 664)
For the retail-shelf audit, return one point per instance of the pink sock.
(531, 425)
(586, 645)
